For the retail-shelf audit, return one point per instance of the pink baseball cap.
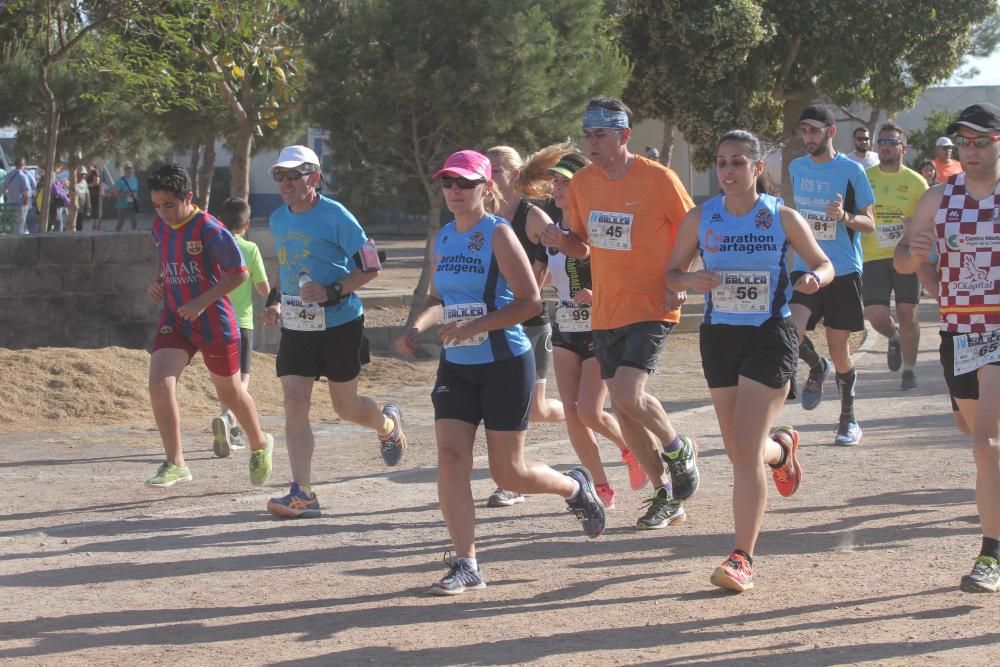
(467, 164)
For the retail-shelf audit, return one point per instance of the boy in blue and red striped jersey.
(199, 264)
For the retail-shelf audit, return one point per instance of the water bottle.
(304, 280)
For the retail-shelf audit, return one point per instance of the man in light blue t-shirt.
(833, 194)
(18, 187)
(127, 192)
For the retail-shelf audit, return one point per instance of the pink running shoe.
(637, 478)
(607, 495)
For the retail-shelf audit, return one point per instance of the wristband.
(272, 297)
(813, 274)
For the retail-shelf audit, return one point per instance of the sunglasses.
(978, 142)
(290, 175)
(463, 183)
(890, 142)
(863, 138)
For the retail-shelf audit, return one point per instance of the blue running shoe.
(296, 505)
(812, 393)
(587, 504)
(393, 445)
(460, 578)
(848, 433)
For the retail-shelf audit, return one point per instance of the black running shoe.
(663, 511)
(683, 467)
(812, 393)
(587, 505)
(894, 355)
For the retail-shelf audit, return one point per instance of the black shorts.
(578, 342)
(964, 386)
(497, 394)
(765, 353)
(246, 350)
(838, 305)
(881, 280)
(338, 353)
(634, 345)
(541, 344)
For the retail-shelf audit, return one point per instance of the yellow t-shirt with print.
(896, 196)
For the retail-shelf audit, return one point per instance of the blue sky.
(989, 72)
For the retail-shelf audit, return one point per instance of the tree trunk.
(52, 115)
(427, 270)
(239, 165)
(667, 149)
(207, 173)
(193, 171)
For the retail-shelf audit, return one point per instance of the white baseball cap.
(944, 141)
(294, 156)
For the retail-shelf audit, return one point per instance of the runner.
(235, 215)
(629, 208)
(528, 222)
(199, 264)
(324, 257)
(832, 193)
(748, 338)
(959, 220)
(482, 289)
(577, 373)
(897, 189)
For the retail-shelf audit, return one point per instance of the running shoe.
(637, 478)
(168, 474)
(663, 511)
(260, 462)
(221, 437)
(587, 504)
(984, 578)
(683, 466)
(296, 505)
(735, 573)
(236, 439)
(894, 355)
(909, 380)
(812, 393)
(460, 578)
(394, 444)
(788, 476)
(848, 433)
(607, 495)
(503, 498)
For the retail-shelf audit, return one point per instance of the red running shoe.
(788, 476)
(735, 573)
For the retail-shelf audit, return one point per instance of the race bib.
(743, 292)
(611, 231)
(572, 317)
(299, 316)
(888, 236)
(975, 350)
(460, 312)
(823, 227)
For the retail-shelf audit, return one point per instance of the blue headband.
(599, 117)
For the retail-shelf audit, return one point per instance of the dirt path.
(860, 567)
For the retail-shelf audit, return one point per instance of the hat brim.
(561, 171)
(812, 122)
(460, 172)
(290, 164)
(953, 128)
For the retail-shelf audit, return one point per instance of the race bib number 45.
(609, 230)
(461, 312)
(822, 226)
(743, 292)
(975, 350)
(299, 316)
(572, 317)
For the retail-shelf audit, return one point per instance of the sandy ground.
(860, 567)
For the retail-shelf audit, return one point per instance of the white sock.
(575, 493)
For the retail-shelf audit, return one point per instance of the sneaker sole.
(167, 485)
(697, 473)
(853, 443)
(504, 503)
(220, 434)
(795, 462)
(722, 579)
(270, 445)
(969, 586)
(444, 592)
(395, 455)
(675, 521)
(278, 510)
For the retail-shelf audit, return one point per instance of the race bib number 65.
(610, 230)
(975, 350)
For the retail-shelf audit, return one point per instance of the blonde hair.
(536, 180)
(492, 199)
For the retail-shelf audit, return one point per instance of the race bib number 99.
(572, 317)
(299, 316)
(609, 230)
(823, 227)
(975, 350)
(461, 312)
(743, 292)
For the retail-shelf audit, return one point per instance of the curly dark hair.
(170, 178)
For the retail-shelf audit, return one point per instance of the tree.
(400, 85)
(923, 141)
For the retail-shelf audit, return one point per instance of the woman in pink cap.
(482, 289)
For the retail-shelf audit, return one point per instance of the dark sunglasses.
(978, 142)
(863, 138)
(890, 142)
(290, 175)
(463, 183)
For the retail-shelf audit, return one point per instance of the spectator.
(928, 171)
(652, 153)
(94, 186)
(945, 162)
(126, 190)
(17, 189)
(82, 197)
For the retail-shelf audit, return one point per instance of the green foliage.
(922, 141)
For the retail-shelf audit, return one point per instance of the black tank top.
(534, 251)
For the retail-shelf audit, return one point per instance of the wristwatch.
(334, 294)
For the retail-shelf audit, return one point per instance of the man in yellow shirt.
(897, 189)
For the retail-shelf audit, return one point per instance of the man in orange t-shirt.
(944, 160)
(624, 212)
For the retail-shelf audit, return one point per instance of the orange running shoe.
(735, 573)
(637, 478)
(606, 494)
(788, 476)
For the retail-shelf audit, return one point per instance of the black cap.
(818, 115)
(568, 165)
(979, 117)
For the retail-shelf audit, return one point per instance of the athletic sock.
(845, 385)
(990, 548)
(308, 488)
(744, 554)
(784, 455)
(471, 562)
(808, 354)
(909, 367)
(675, 445)
(575, 493)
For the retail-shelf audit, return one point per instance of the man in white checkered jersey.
(960, 221)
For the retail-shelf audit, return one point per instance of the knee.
(454, 460)
(589, 416)
(986, 452)
(507, 474)
(296, 408)
(160, 388)
(572, 411)
(626, 401)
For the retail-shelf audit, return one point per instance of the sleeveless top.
(468, 280)
(749, 254)
(968, 244)
(534, 251)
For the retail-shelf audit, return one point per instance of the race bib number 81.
(461, 312)
(609, 230)
(823, 228)
(975, 350)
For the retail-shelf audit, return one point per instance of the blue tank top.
(749, 254)
(468, 280)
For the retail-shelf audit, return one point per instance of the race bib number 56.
(460, 312)
(975, 350)
(743, 292)
(609, 230)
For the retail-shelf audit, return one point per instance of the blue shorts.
(498, 393)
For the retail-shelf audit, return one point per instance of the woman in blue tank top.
(749, 344)
(482, 289)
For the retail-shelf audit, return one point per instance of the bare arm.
(352, 282)
(918, 236)
(263, 287)
(431, 313)
(679, 275)
(536, 223)
(806, 247)
(227, 283)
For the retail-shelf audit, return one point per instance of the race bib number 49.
(975, 350)
(823, 227)
(609, 230)
(572, 317)
(299, 316)
(461, 312)
(743, 292)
